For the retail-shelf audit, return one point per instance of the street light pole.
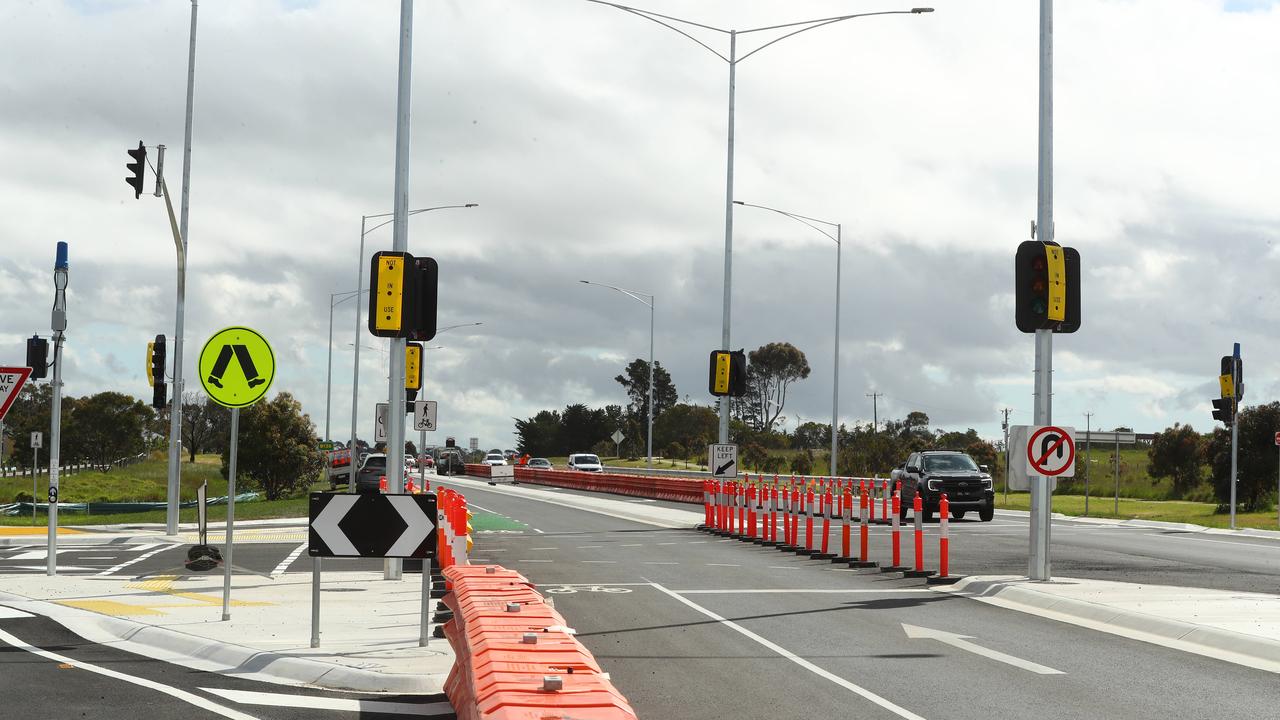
(328, 383)
(175, 409)
(835, 379)
(355, 369)
(639, 296)
(733, 60)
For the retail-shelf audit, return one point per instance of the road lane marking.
(722, 565)
(802, 591)
(112, 571)
(310, 702)
(539, 531)
(961, 642)
(285, 563)
(856, 689)
(182, 695)
(1259, 546)
(8, 613)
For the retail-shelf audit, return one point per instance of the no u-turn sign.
(1051, 451)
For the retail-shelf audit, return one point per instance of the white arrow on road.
(326, 525)
(961, 642)
(419, 526)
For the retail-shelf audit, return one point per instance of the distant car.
(494, 459)
(540, 464)
(372, 469)
(449, 462)
(967, 485)
(585, 462)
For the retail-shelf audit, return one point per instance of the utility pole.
(1005, 426)
(875, 413)
(1088, 426)
(175, 409)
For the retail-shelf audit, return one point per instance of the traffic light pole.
(400, 234)
(1235, 429)
(180, 239)
(55, 422)
(1041, 499)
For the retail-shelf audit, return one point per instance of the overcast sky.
(594, 143)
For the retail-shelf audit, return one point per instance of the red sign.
(1277, 438)
(11, 381)
(1051, 452)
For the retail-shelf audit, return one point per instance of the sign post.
(723, 461)
(617, 438)
(37, 441)
(1050, 453)
(257, 364)
(1278, 480)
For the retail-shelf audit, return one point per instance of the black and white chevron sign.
(386, 526)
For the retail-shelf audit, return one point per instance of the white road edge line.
(310, 702)
(802, 591)
(1220, 542)
(182, 695)
(140, 558)
(851, 687)
(284, 564)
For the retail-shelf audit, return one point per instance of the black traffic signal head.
(728, 373)
(427, 282)
(738, 373)
(1224, 410)
(449, 442)
(138, 168)
(155, 371)
(38, 357)
(1046, 287)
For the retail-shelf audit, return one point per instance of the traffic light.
(412, 373)
(1224, 410)
(728, 373)
(1231, 366)
(139, 169)
(1047, 287)
(155, 372)
(427, 282)
(38, 357)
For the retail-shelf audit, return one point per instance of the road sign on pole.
(37, 440)
(723, 461)
(379, 526)
(1051, 451)
(11, 381)
(380, 422)
(424, 415)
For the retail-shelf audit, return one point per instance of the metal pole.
(1116, 509)
(1088, 428)
(175, 411)
(328, 378)
(1041, 501)
(1235, 430)
(835, 376)
(355, 367)
(231, 513)
(1006, 456)
(1278, 487)
(55, 423)
(315, 602)
(400, 227)
(728, 231)
(424, 607)
(35, 482)
(652, 302)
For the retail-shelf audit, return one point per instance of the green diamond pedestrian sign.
(236, 367)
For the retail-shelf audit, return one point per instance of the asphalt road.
(695, 626)
(49, 673)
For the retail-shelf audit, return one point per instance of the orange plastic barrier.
(673, 489)
(515, 657)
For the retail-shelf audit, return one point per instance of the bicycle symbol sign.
(571, 589)
(1051, 451)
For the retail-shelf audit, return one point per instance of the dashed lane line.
(825, 674)
(285, 563)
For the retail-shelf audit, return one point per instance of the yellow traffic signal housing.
(1228, 387)
(151, 351)
(390, 303)
(721, 364)
(413, 366)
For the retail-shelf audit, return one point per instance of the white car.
(585, 462)
(494, 459)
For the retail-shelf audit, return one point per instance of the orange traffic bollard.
(917, 509)
(828, 504)
(865, 503)
(846, 519)
(896, 519)
(943, 577)
(808, 523)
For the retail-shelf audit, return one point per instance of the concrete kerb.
(1022, 595)
(174, 646)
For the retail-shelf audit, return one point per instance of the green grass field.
(145, 481)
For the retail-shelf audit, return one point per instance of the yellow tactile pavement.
(40, 530)
(252, 535)
(162, 585)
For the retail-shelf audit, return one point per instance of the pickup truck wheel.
(958, 514)
(987, 512)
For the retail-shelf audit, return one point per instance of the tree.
(204, 423)
(29, 413)
(581, 428)
(636, 382)
(693, 427)
(771, 370)
(1257, 456)
(540, 434)
(811, 436)
(1177, 453)
(278, 447)
(106, 427)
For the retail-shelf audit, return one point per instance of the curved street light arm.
(813, 24)
(798, 218)
(659, 18)
(412, 212)
(639, 296)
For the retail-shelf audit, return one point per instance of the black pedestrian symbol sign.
(236, 367)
